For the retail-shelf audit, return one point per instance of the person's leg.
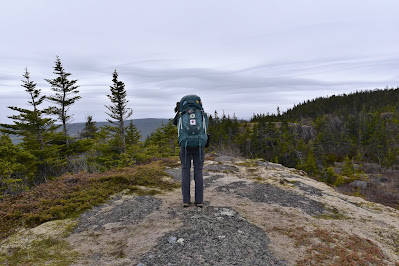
(198, 177)
(185, 159)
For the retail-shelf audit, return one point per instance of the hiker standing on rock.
(192, 124)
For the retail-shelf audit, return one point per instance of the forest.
(361, 127)
(350, 130)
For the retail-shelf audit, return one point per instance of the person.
(195, 153)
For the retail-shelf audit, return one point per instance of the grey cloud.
(259, 56)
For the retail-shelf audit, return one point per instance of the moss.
(227, 171)
(45, 244)
(332, 216)
(49, 251)
(257, 178)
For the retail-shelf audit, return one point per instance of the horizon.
(234, 114)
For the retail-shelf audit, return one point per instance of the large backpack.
(193, 122)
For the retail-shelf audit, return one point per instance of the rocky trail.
(255, 213)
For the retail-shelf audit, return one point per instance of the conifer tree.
(90, 129)
(165, 139)
(16, 167)
(37, 131)
(64, 90)
(118, 110)
(132, 134)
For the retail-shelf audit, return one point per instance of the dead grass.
(70, 195)
(333, 248)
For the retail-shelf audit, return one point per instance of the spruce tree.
(17, 167)
(90, 129)
(118, 110)
(36, 130)
(132, 134)
(64, 90)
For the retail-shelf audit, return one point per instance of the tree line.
(353, 129)
(362, 127)
(48, 150)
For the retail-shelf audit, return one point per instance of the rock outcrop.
(255, 213)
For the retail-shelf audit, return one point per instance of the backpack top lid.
(190, 101)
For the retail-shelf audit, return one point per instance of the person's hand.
(177, 108)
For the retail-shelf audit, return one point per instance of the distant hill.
(145, 125)
(375, 101)
(386, 100)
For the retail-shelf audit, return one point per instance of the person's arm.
(175, 119)
(177, 113)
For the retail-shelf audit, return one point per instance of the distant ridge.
(381, 100)
(145, 125)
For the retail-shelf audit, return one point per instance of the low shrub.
(70, 195)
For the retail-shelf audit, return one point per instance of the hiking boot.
(200, 205)
(185, 205)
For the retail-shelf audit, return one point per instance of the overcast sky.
(243, 57)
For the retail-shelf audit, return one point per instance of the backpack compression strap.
(179, 125)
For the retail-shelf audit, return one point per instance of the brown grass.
(70, 195)
(333, 248)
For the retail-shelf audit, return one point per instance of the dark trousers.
(197, 155)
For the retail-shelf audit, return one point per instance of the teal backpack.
(193, 122)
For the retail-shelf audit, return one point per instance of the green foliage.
(362, 125)
(90, 129)
(106, 148)
(348, 169)
(132, 134)
(16, 167)
(37, 132)
(330, 176)
(310, 165)
(118, 110)
(340, 180)
(163, 142)
(64, 89)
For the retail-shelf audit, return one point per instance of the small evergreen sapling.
(90, 129)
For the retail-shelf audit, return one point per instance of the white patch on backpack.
(192, 122)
